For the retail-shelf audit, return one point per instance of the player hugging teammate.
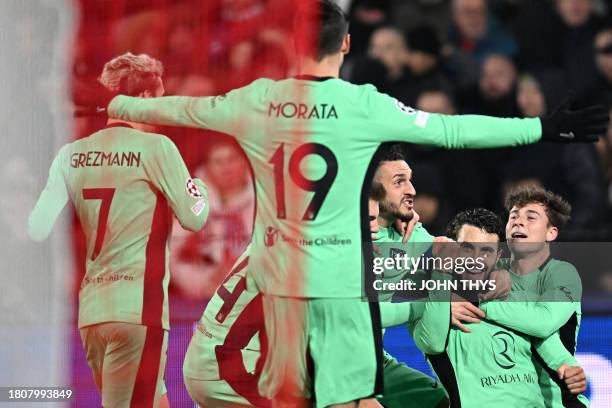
(289, 326)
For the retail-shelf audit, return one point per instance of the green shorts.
(407, 388)
(128, 362)
(326, 350)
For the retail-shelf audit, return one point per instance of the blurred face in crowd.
(530, 98)
(420, 62)
(574, 12)
(427, 206)
(388, 46)
(528, 229)
(477, 243)
(470, 17)
(435, 102)
(241, 55)
(603, 53)
(226, 168)
(497, 77)
(396, 179)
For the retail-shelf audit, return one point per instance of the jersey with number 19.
(310, 141)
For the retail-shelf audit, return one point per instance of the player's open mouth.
(518, 235)
(408, 202)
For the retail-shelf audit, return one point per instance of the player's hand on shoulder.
(463, 311)
(406, 228)
(574, 378)
(445, 248)
(503, 284)
(90, 97)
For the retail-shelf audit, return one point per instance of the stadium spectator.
(495, 95)
(430, 202)
(412, 64)
(184, 75)
(572, 172)
(388, 46)
(437, 101)
(424, 63)
(580, 27)
(367, 70)
(604, 151)
(366, 16)
(474, 35)
(602, 88)
(454, 166)
(202, 260)
(410, 14)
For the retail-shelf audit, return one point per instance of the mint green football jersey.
(548, 301)
(419, 243)
(310, 142)
(125, 185)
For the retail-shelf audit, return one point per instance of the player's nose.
(410, 190)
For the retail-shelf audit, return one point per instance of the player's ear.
(552, 233)
(346, 44)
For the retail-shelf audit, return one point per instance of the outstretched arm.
(393, 121)
(222, 113)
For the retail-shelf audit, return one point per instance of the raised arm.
(50, 203)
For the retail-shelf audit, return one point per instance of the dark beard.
(391, 212)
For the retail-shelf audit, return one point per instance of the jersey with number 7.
(310, 141)
(125, 185)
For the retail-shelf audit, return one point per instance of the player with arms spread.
(310, 140)
(125, 184)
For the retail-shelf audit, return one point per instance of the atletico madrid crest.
(192, 189)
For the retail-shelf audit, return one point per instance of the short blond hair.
(128, 73)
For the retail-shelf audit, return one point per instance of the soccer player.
(550, 289)
(492, 365)
(310, 139)
(224, 359)
(125, 185)
(392, 184)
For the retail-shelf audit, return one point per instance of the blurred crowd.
(497, 57)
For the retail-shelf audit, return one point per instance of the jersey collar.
(545, 262)
(119, 124)
(307, 77)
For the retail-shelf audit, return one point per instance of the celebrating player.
(551, 288)
(125, 185)
(492, 365)
(310, 139)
